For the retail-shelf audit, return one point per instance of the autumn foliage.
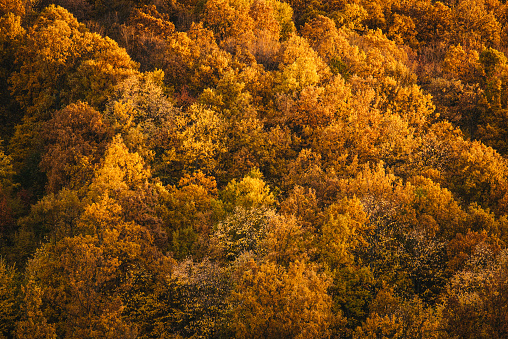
(253, 169)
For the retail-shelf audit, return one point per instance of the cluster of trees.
(253, 169)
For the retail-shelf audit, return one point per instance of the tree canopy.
(253, 169)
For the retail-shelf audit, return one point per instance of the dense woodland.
(253, 169)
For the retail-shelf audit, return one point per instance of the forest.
(253, 169)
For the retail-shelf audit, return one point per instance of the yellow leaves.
(195, 57)
(403, 30)
(392, 317)
(410, 103)
(202, 307)
(475, 24)
(335, 119)
(492, 60)
(107, 65)
(148, 20)
(8, 296)
(273, 301)
(198, 142)
(323, 36)
(11, 33)
(305, 170)
(250, 192)
(283, 13)
(243, 230)
(296, 76)
(249, 26)
(16, 7)
(248, 203)
(342, 231)
(198, 179)
(119, 171)
(481, 176)
(101, 215)
(202, 138)
(377, 57)
(121, 116)
(228, 18)
(336, 234)
(437, 211)
(191, 210)
(373, 181)
(285, 241)
(478, 295)
(462, 65)
(55, 216)
(302, 204)
(353, 16)
(6, 172)
(61, 62)
(33, 323)
(463, 247)
(295, 48)
(79, 290)
(317, 107)
(379, 327)
(76, 137)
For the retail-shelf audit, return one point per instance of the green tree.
(250, 192)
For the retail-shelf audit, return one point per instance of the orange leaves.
(252, 26)
(480, 175)
(274, 301)
(290, 158)
(16, 7)
(60, 56)
(461, 64)
(8, 296)
(228, 18)
(194, 59)
(120, 170)
(76, 137)
(191, 210)
(148, 20)
(403, 30)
